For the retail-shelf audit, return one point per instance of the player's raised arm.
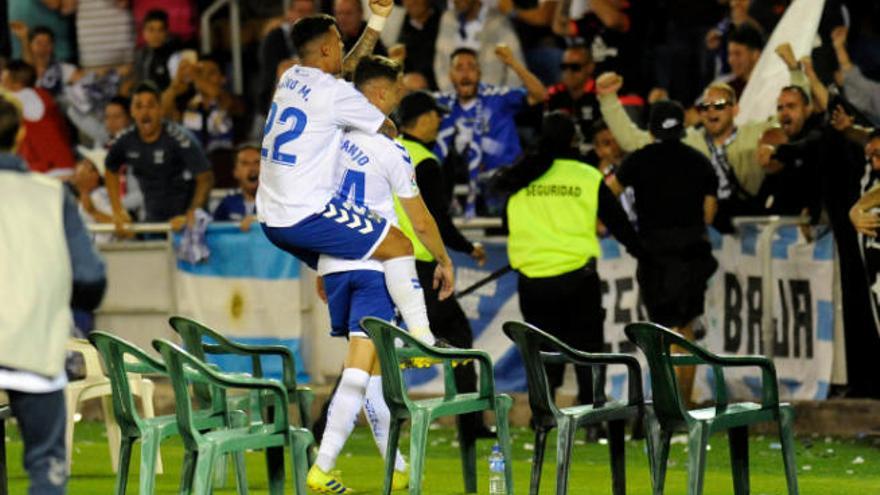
(381, 9)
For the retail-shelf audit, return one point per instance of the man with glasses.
(575, 94)
(732, 149)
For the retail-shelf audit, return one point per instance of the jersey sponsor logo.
(356, 154)
(561, 190)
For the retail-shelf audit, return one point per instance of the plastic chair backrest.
(114, 350)
(176, 359)
(192, 334)
(655, 342)
(530, 342)
(383, 335)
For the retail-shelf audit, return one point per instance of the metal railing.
(235, 38)
(769, 225)
(478, 223)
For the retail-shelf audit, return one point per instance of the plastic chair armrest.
(287, 363)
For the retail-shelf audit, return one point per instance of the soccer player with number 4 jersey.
(373, 171)
(296, 204)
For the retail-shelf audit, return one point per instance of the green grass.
(825, 466)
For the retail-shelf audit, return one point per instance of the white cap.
(94, 155)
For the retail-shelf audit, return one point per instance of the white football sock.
(406, 292)
(341, 417)
(379, 417)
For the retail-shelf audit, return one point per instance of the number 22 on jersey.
(293, 121)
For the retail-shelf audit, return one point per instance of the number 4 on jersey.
(294, 130)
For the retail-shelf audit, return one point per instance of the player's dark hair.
(375, 67)
(310, 28)
(748, 35)
(157, 15)
(22, 72)
(10, 121)
(147, 87)
(463, 50)
(38, 30)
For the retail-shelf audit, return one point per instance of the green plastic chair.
(422, 412)
(536, 348)
(200, 341)
(205, 449)
(669, 414)
(151, 431)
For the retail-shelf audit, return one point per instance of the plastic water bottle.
(497, 482)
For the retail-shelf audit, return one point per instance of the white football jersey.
(373, 168)
(310, 111)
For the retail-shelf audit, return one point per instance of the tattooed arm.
(380, 9)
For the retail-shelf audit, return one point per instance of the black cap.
(667, 120)
(413, 105)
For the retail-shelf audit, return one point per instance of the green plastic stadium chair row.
(665, 415)
(210, 423)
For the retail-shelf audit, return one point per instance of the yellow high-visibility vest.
(552, 221)
(418, 153)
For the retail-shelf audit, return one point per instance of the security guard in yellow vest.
(419, 118)
(552, 215)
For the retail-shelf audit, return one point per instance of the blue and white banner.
(803, 310)
(248, 290)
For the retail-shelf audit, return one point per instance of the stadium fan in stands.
(718, 36)
(541, 47)
(49, 265)
(349, 16)
(151, 60)
(732, 149)
(744, 45)
(38, 49)
(418, 34)
(609, 29)
(792, 186)
(116, 116)
(479, 134)
(169, 163)
(610, 157)
(46, 146)
(241, 205)
(209, 113)
(862, 92)
(477, 25)
(575, 94)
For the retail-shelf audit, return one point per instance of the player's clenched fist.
(381, 8)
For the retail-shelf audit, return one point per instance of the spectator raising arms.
(169, 163)
(39, 51)
(731, 149)
(480, 129)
